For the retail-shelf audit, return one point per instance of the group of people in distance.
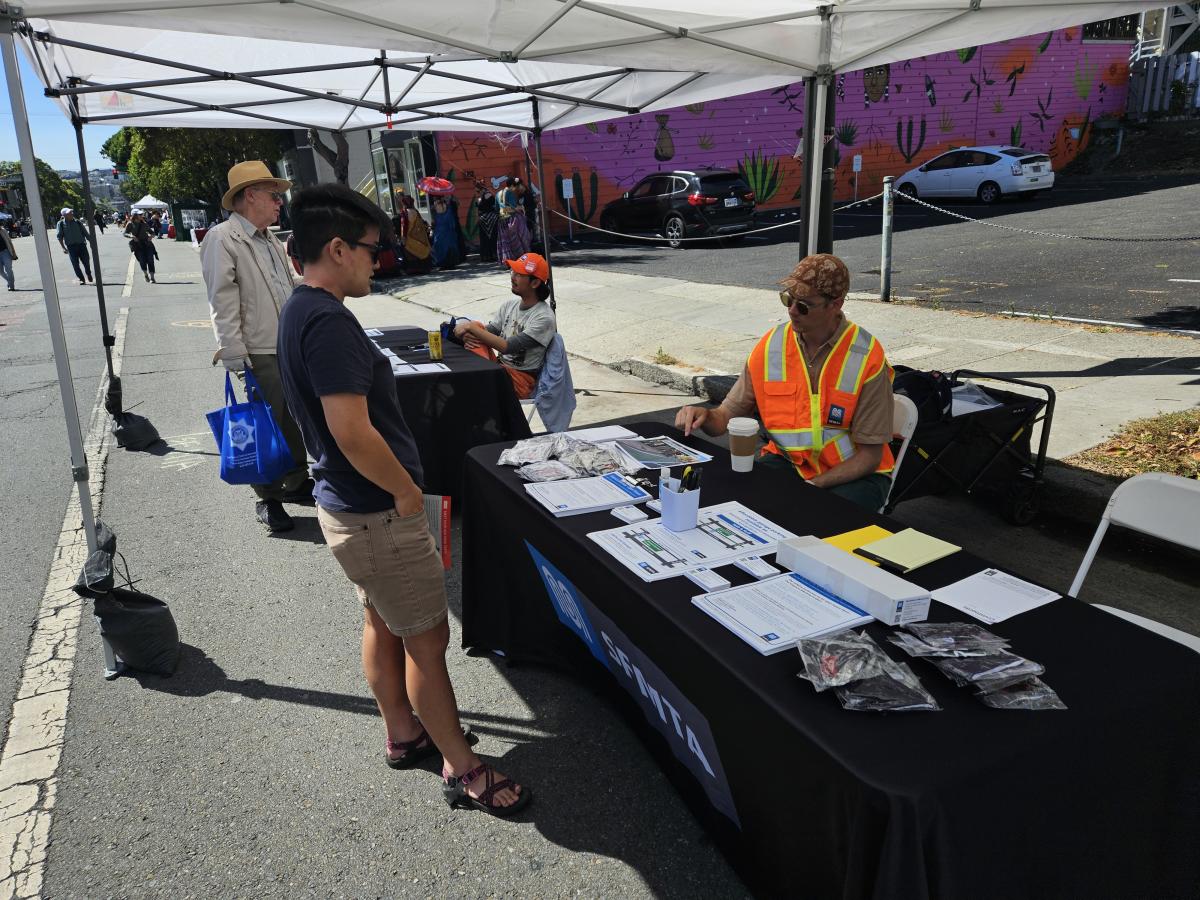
(820, 384)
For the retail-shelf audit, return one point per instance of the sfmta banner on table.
(664, 706)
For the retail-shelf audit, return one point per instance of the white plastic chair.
(1163, 506)
(904, 423)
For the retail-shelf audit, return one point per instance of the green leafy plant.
(592, 127)
(762, 174)
(847, 133)
(663, 358)
(946, 123)
(1046, 43)
(904, 143)
(580, 210)
(1014, 136)
(966, 54)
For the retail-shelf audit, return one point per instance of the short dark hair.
(327, 211)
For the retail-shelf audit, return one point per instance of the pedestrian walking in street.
(249, 279)
(141, 243)
(99, 220)
(73, 238)
(8, 254)
(415, 239)
(512, 240)
(368, 493)
(445, 235)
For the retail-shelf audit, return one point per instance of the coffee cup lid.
(742, 425)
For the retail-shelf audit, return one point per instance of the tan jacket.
(6, 242)
(245, 307)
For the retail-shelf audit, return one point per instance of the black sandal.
(455, 791)
(413, 752)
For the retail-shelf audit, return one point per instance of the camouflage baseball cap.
(821, 272)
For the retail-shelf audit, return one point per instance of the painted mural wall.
(1041, 92)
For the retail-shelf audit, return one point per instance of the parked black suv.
(679, 204)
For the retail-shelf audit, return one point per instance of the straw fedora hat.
(244, 174)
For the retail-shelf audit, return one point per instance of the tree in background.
(56, 192)
(187, 163)
(339, 158)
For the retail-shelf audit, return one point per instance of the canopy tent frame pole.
(537, 149)
(89, 207)
(821, 84)
(58, 338)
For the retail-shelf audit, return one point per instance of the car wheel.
(609, 223)
(673, 230)
(908, 190)
(989, 192)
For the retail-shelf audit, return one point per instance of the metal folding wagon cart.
(987, 452)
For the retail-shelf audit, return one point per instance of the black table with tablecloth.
(1099, 800)
(451, 412)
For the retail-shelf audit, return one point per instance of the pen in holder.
(680, 509)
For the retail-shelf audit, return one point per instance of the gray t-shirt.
(534, 329)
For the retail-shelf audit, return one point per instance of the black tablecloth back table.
(1099, 800)
(451, 412)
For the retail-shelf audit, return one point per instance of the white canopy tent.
(455, 65)
(148, 202)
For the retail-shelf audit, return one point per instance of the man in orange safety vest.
(820, 385)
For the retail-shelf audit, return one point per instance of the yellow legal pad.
(907, 550)
(852, 540)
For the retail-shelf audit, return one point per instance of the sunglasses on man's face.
(802, 306)
(375, 248)
(275, 196)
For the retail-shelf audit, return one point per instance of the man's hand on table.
(714, 421)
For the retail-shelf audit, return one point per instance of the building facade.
(1042, 92)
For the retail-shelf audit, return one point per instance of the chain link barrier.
(1049, 234)
(739, 234)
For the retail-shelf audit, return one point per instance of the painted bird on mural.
(930, 91)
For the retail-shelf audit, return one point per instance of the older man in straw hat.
(817, 352)
(249, 279)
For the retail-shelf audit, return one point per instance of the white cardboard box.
(890, 599)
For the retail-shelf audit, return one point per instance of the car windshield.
(1015, 151)
(723, 182)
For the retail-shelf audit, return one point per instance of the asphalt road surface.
(944, 262)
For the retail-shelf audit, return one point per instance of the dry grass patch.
(1167, 443)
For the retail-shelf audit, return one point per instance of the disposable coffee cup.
(743, 443)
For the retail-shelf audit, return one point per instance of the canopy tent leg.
(90, 211)
(58, 340)
(820, 95)
(537, 148)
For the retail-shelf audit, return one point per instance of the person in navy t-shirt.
(342, 393)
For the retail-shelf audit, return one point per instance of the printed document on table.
(574, 496)
(602, 433)
(723, 533)
(430, 367)
(656, 452)
(773, 614)
(992, 596)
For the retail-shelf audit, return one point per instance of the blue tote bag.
(253, 450)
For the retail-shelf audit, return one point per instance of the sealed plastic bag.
(899, 690)
(840, 658)
(951, 636)
(991, 672)
(546, 470)
(1030, 694)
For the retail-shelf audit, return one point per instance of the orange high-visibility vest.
(813, 429)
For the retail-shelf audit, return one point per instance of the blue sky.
(53, 136)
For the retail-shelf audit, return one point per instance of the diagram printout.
(723, 533)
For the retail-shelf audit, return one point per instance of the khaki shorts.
(393, 563)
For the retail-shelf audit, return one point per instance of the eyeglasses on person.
(802, 306)
(375, 248)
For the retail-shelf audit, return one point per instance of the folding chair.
(904, 423)
(554, 395)
(1163, 506)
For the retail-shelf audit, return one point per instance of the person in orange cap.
(522, 328)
